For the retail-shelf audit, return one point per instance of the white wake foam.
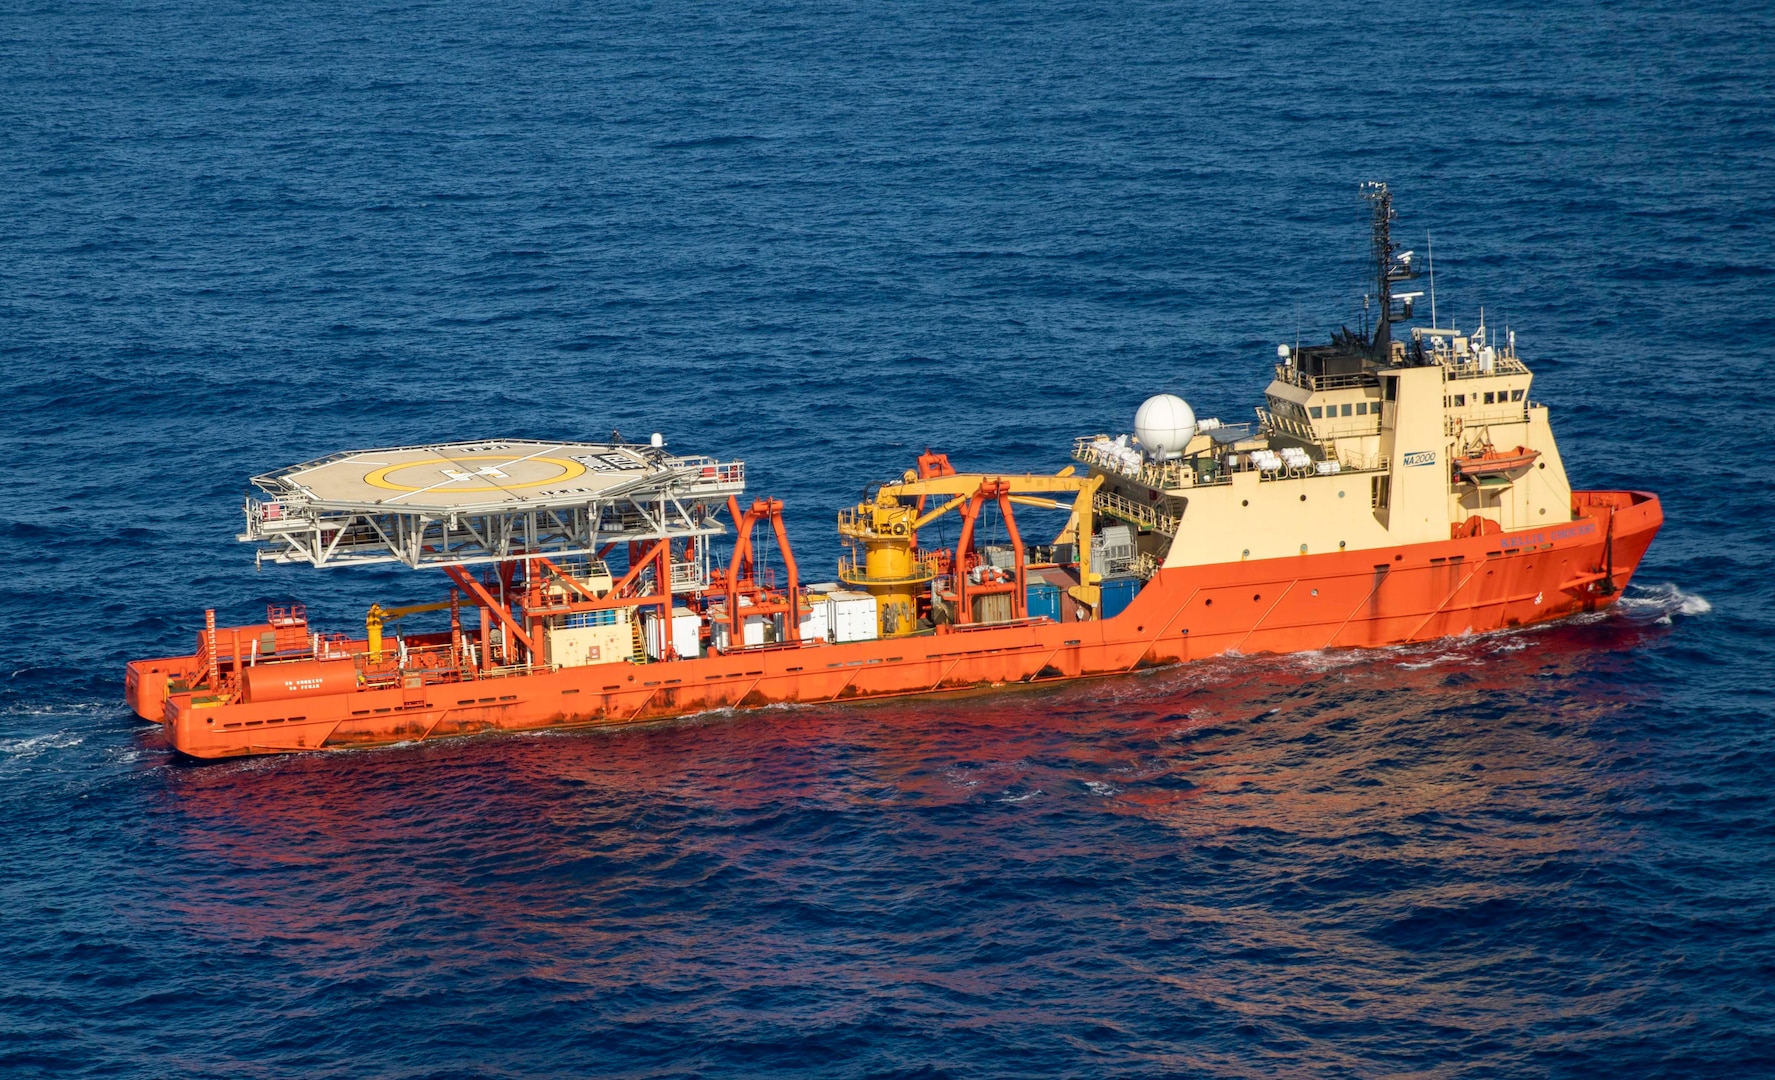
(1660, 603)
(36, 745)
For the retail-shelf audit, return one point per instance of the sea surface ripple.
(822, 237)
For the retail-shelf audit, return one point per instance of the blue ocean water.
(822, 237)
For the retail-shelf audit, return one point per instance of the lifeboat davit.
(1492, 462)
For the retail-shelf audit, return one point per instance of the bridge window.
(1461, 399)
(1362, 408)
(1346, 408)
(1318, 413)
(1516, 395)
(1490, 398)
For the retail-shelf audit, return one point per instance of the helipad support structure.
(453, 504)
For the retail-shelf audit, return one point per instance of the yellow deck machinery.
(378, 615)
(893, 569)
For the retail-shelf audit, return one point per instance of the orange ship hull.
(1349, 599)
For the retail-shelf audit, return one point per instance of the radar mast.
(1389, 268)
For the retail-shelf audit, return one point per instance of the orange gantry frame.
(278, 686)
(998, 491)
(745, 578)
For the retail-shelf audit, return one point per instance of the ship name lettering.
(1583, 528)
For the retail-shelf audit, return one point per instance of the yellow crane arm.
(377, 615)
(1086, 590)
(388, 613)
(939, 512)
(1021, 500)
(968, 483)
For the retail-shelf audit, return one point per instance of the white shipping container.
(687, 632)
(751, 626)
(999, 556)
(720, 637)
(853, 616)
(686, 636)
(816, 623)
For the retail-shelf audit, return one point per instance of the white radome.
(1164, 425)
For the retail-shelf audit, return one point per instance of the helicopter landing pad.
(498, 474)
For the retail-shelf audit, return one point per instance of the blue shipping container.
(1118, 593)
(592, 618)
(1044, 599)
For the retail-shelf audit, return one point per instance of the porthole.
(1303, 498)
(1315, 592)
(1303, 549)
(1255, 597)
(1340, 545)
(1208, 602)
(1246, 502)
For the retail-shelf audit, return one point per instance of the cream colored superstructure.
(1395, 431)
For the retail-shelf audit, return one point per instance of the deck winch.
(893, 569)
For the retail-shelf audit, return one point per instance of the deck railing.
(1146, 516)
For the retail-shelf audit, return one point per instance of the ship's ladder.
(640, 654)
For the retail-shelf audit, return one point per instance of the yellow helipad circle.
(379, 478)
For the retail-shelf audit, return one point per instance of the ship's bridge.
(472, 502)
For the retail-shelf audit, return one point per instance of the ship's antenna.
(1430, 253)
(1381, 239)
(1389, 267)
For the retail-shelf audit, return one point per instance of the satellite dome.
(1164, 425)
